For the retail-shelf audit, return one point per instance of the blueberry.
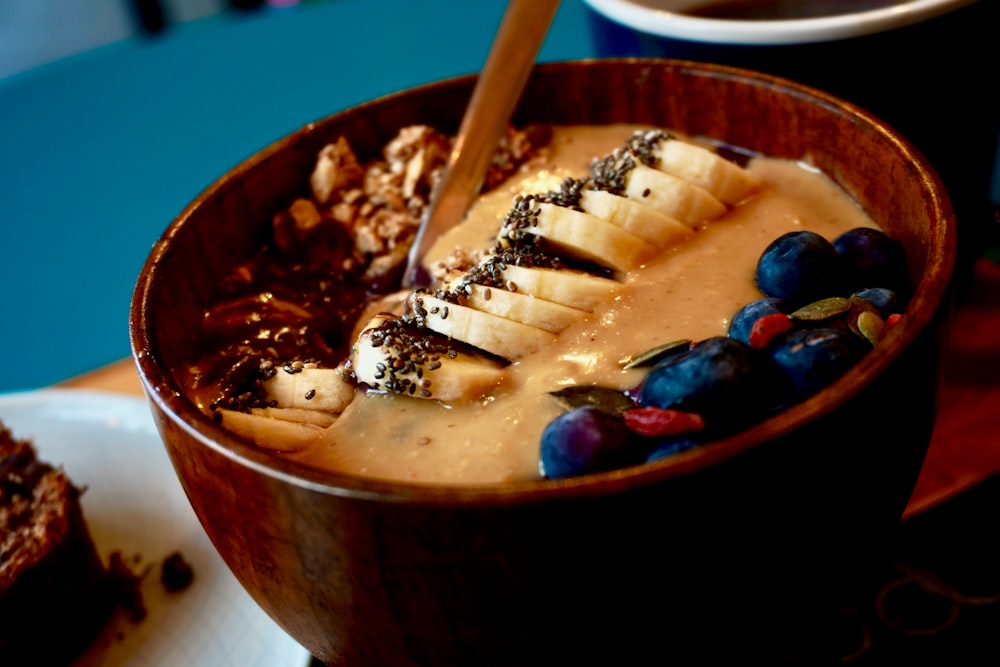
(887, 301)
(743, 320)
(810, 359)
(800, 267)
(584, 440)
(719, 378)
(872, 258)
(671, 446)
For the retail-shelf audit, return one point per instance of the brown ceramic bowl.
(736, 547)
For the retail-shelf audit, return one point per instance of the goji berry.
(659, 422)
(766, 328)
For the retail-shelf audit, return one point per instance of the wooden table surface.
(965, 448)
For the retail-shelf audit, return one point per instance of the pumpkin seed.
(859, 306)
(652, 356)
(870, 326)
(612, 401)
(823, 309)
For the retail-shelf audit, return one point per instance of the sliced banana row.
(648, 195)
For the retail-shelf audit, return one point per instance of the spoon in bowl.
(498, 89)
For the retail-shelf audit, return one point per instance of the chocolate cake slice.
(55, 592)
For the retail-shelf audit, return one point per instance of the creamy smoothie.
(689, 291)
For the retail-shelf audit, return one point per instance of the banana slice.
(309, 388)
(521, 307)
(281, 435)
(320, 418)
(646, 222)
(569, 287)
(581, 235)
(674, 196)
(722, 178)
(497, 335)
(392, 356)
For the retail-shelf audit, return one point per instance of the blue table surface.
(99, 152)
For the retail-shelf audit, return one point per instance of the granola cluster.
(378, 206)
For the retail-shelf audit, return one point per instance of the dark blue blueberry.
(671, 446)
(720, 378)
(800, 267)
(884, 299)
(872, 258)
(742, 322)
(810, 359)
(585, 440)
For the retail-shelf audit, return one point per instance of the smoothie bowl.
(413, 517)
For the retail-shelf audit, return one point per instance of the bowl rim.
(930, 294)
(644, 18)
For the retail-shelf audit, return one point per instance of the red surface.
(966, 445)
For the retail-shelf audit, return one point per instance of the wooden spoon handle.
(498, 89)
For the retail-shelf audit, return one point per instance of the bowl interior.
(226, 224)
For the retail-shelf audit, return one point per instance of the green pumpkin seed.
(650, 357)
(859, 306)
(870, 326)
(612, 401)
(823, 309)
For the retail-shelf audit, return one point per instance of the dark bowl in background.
(738, 547)
(907, 68)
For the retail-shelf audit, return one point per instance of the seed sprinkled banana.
(522, 307)
(570, 287)
(578, 234)
(674, 196)
(394, 355)
(497, 335)
(698, 165)
(296, 386)
(644, 221)
(650, 224)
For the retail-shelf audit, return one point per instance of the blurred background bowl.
(909, 62)
(738, 548)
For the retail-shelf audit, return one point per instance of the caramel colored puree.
(690, 291)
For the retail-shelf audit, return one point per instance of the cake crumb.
(176, 573)
(125, 587)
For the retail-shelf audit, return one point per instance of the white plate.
(134, 504)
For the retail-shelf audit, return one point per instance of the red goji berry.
(658, 422)
(767, 327)
(893, 319)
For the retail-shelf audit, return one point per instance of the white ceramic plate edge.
(134, 504)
